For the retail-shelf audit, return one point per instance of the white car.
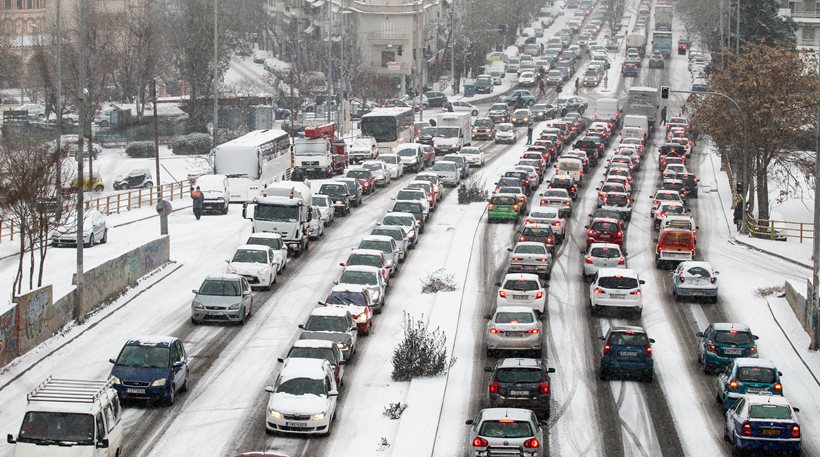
(381, 174)
(504, 133)
(548, 215)
(618, 288)
(433, 179)
(462, 106)
(687, 145)
(95, 230)
(664, 196)
(526, 78)
(559, 199)
(530, 257)
(474, 155)
(447, 172)
(370, 277)
(394, 165)
(410, 194)
(316, 226)
(303, 399)
(602, 255)
(277, 245)
(522, 289)
(514, 328)
(324, 206)
(256, 263)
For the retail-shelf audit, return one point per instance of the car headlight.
(115, 380)
(376, 295)
(339, 202)
(235, 306)
(231, 269)
(198, 305)
(317, 417)
(158, 383)
(341, 345)
(264, 271)
(274, 414)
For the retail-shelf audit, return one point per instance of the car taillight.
(542, 259)
(590, 232)
(544, 387)
(502, 294)
(753, 350)
(681, 278)
(598, 291)
(526, 181)
(522, 198)
(607, 348)
(649, 352)
(795, 431)
(567, 203)
(588, 259)
(480, 442)
(733, 384)
(635, 292)
(621, 261)
(778, 387)
(660, 215)
(490, 206)
(494, 330)
(532, 443)
(532, 331)
(549, 240)
(711, 348)
(520, 238)
(572, 189)
(656, 202)
(494, 387)
(515, 207)
(746, 429)
(539, 294)
(620, 233)
(517, 259)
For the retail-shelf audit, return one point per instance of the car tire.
(475, 112)
(649, 377)
(603, 375)
(241, 322)
(194, 321)
(105, 239)
(171, 396)
(490, 353)
(90, 242)
(184, 387)
(99, 188)
(148, 185)
(718, 398)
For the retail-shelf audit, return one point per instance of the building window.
(7, 4)
(808, 34)
(387, 29)
(19, 4)
(388, 56)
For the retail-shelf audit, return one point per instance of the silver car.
(602, 255)
(381, 175)
(513, 328)
(95, 230)
(559, 199)
(370, 277)
(399, 235)
(222, 298)
(447, 172)
(382, 243)
(408, 222)
(325, 205)
(548, 215)
(530, 257)
(506, 432)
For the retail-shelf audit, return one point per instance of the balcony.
(378, 38)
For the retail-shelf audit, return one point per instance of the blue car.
(461, 163)
(723, 342)
(747, 376)
(627, 351)
(763, 423)
(152, 368)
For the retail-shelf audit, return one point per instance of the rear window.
(363, 174)
(699, 272)
(730, 337)
(514, 318)
(364, 259)
(569, 165)
(618, 200)
(628, 339)
(521, 286)
(667, 196)
(605, 227)
(333, 189)
(618, 282)
(273, 243)
(519, 375)
(605, 253)
(770, 412)
(498, 429)
(755, 374)
(397, 220)
(536, 232)
(675, 239)
(407, 207)
(530, 249)
(503, 200)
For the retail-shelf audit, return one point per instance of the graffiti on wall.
(33, 309)
(8, 336)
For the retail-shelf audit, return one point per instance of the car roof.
(530, 243)
(767, 400)
(151, 340)
(367, 252)
(605, 219)
(726, 326)
(397, 213)
(627, 272)
(253, 247)
(268, 235)
(514, 309)
(521, 276)
(753, 362)
(604, 245)
(519, 362)
(303, 368)
(363, 268)
(503, 195)
(223, 277)
(506, 413)
(329, 311)
(627, 329)
(313, 344)
(378, 237)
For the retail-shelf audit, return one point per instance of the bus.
(252, 162)
(389, 126)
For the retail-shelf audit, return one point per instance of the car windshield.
(470, 151)
(221, 288)
(447, 132)
(521, 285)
(410, 195)
(539, 232)
(56, 428)
(358, 277)
(250, 256)
(273, 243)
(733, 337)
(397, 220)
(444, 166)
(264, 212)
(383, 246)
(605, 253)
(302, 386)
(319, 201)
(407, 207)
(382, 128)
(555, 193)
(390, 159)
(605, 227)
(406, 152)
(503, 200)
(756, 374)
(313, 353)
(137, 355)
(327, 324)
(519, 375)
(617, 200)
(628, 339)
(505, 127)
(363, 174)
(617, 282)
(455, 159)
(530, 249)
(346, 298)
(365, 259)
(498, 107)
(505, 429)
(770, 412)
(371, 166)
(507, 317)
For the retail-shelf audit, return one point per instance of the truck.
(283, 208)
(360, 149)
(609, 109)
(643, 101)
(636, 40)
(251, 162)
(636, 123)
(453, 131)
(662, 41)
(663, 17)
(319, 153)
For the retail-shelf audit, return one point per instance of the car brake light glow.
(532, 331)
(517, 259)
(480, 442)
(753, 350)
(795, 431)
(539, 294)
(711, 348)
(713, 280)
(590, 232)
(649, 352)
(599, 291)
(621, 261)
(542, 259)
(746, 429)
(607, 348)
(490, 207)
(494, 330)
(494, 387)
(733, 384)
(544, 387)
(532, 443)
(502, 294)
(588, 259)
(778, 387)
(521, 238)
(556, 224)
(635, 292)
(515, 207)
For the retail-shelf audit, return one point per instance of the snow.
(303, 368)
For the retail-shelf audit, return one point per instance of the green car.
(503, 207)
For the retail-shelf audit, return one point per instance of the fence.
(779, 230)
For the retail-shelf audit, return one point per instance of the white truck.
(453, 131)
(360, 149)
(663, 17)
(252, 161)
(609, 110)
(318, 154)
(636, 40)
(644, 101)
(284, 208)
(634, 121)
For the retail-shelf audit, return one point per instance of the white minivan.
(570, 166)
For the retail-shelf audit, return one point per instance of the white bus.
(389, 126)
(252, 162)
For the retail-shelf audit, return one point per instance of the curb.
(773, 254)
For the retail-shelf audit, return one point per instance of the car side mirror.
(697, 227)
(301, 326)
(269, 389)
(717, 272)
(550, 370)
(700, 334)
(755, 337)
(498, 284)
(796, 409)
(342, 264)
(333, 393)
(488, 369)
(586, 226)
(642, 281)
(227, 261)
(102, 443)
(10, 439)
(280, 360)
(602, 338)
(178, 364)
(335, 283)
(468, 422)
(651, 340)
(321, 303)
(654, 240)
(488, 316)
(114, 361)
(509, 250)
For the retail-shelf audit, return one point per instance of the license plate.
(771, 431)
(629, 353)
(754, 391)
(296, 424)
(617, 296)
(135, 391)
(514, 333)
(519, 392)
(529, 267)
(520, 297)
(733, 351)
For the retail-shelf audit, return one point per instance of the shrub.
(438, 281)
(420, 352)
(140, 149)
(192, 143)
(393, 410)
(473, 190)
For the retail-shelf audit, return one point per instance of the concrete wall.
(36, 317)
(799, 304)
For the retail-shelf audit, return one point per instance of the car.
(371, 258)
(602, 255)
(541, 233)
(630, 68)
(520, 97)
(339, 195)
(433, 179)
(520, 383)
(543, 112)
(571, 104)
(530, 257)
(521, 117)
(407, 222)
(618, 288)
(277, 245)
(334, 324)
(426, 135)
(664, 196)
(135, 179)
(627, 350)
(513, 328)
(257, 263)
(321, 350)
(222, 298)
(623, 181)
(326, 212)
(462, 106)
(484, 84)
(417, 195)
(394, 165)
(690, 183)
(499, 113)
(605, 230)
(474, 155)
(522, 289)
(506, 431)
(557, 198)
(747, 376)
(554, 78)
(656, 60)
(550, 216)
(303, 398)
(461, 162)
(356, 300)
(364, 177)
(763, 423)
(674, 245)
(686, 222)
(418, 208)
(503, 207)
(618, 201)
(700, 85)
(504, 133)
(722, 342)
(95, 230)
(483, 129)
(354, 189)
(666, 209)
(152, 368)
(448, 172)
(526, 79)
(566, 182)
(435, 98)
(428, 189)
(387, 245)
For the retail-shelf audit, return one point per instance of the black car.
(426, 135)
(564, 182)
(607, 213)
(483, 129)
(592, 145)
(499, 113)
(525, 180)
(541, 233)
(435, 98)
(355, 190)
(520, 383)
(339, 195)
(690, 183)
(543, 112)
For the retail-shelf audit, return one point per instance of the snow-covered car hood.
(445, 141)
(298, 404)
(34, 450)
(246, 268)
(217, 300)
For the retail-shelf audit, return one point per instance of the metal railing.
(779, 230)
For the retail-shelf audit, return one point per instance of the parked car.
(152, 368)
(135, 179)
(222, 298)
(95, 230)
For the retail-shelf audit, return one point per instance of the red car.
(605, 230)
(364, 177)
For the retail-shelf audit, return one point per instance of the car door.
(272, 262)
(734, 416)
(99, 226)
(247, 295)
(101, 434)
(702, 342)
(112, 414)
(180, 364)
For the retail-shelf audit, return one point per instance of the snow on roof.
(515, 362)
(605, 245)
(278, 200)
(752, 362)
(152, 340)
(697, 263)
(303, 368)
(530, 243)
(253, 247)
(628, 272)
(726, 326)
(524, 276)
(348, 288)
(374, 252)
(768, 400)
(329, 311)
(266, 235)
(223, 277)
(378, 237)
(363, 268)
(506, 413)
(398, 213)
(313, 344)
(514, 309)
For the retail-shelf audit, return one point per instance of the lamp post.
(815, 278)
(216, 74)
(81, 95)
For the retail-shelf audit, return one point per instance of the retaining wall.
(799, 304)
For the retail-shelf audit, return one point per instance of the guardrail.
(779, 230)
(113, 203)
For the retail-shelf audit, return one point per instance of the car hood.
(249, 268)
(298, 404)
(35, 450)
(217, 300)
(128, 373)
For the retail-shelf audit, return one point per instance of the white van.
(641, 122)
(216, 191)
(70, 417)
(608, 109)
(570, 166)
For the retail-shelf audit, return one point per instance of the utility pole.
(720, 21)
(737, 29)
(216, 75)
(329, 64)
(156, 138)
(58, 185)
(420, 59)
(453, 45)
(78, 293)
(815, 278)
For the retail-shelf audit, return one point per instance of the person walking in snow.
(199, 199)
(738, 215)
(529, 133)
(577, 84)
(663, 116)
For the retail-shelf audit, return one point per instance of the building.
(806, 14)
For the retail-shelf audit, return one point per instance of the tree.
(777, 92)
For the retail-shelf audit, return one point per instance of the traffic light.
(664, 92)
(400, 50)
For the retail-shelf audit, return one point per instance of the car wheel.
(718, 398)
(603, 375)
(148, 185)
(184, 387)
(194, 321)
(242, 321)
(475, 112)
(104, 124)
(105, 240)
(90, 241)
(99, 188)
(170, 400)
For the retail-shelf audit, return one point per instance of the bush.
(473, 190)
(140, 149)
(393, 410)
(438, 281)
(421, 352)
(192, 143)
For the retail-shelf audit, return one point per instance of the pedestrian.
(449, 107)
(529, 133)
(577, 84)
(663, 116)
(198, 198)
(541, 47)
(738, 216)
(541, 87)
